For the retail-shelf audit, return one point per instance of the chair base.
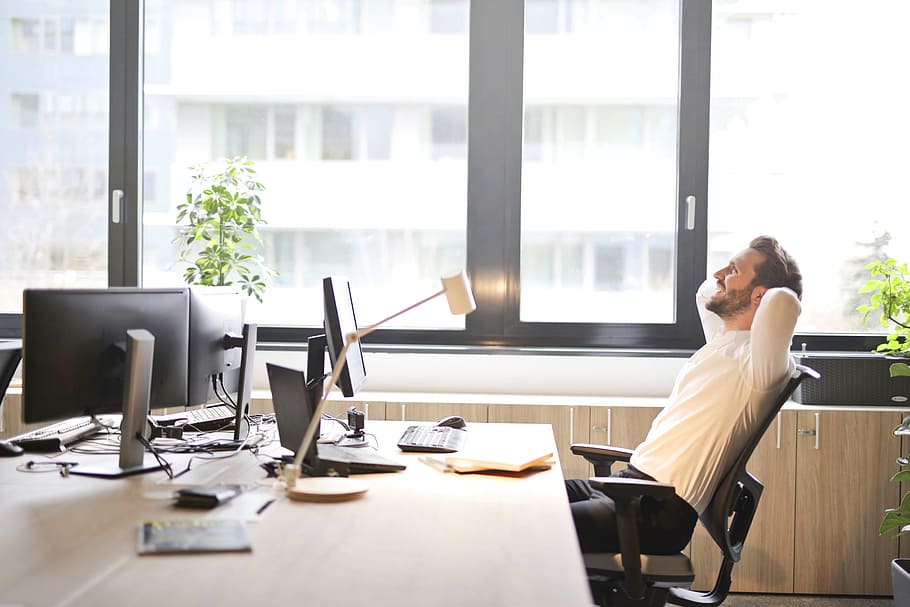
(609, 593)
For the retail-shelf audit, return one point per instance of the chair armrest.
(626, 494)
(627, 489)
(601, 456)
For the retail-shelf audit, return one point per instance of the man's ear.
(757, 294)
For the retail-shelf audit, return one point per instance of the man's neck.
(740, 322)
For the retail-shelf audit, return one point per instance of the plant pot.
(900, 582)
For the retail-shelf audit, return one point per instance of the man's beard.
(730, 303)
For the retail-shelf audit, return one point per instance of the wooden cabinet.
(431, 412)
(621, 426)
(843, 463)
(570, 425)
(767, 561)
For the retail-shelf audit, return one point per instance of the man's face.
(734, 284)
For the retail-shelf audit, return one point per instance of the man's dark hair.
(779, 269)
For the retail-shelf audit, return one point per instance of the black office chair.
(631, 578)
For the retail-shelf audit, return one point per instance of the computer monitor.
(214, 313)
(221, 347)
(339, 320)
(73, 348)
(10, 355)
(92, 351)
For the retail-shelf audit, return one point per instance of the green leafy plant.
(890, 295)
(898, 519)
(223, 213)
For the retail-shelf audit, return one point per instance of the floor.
(775, 600)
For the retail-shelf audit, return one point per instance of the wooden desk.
(419, 537)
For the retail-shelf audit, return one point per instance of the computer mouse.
(453, 421)
(8, 449)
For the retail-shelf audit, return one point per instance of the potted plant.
(890, 294)
(223, 214)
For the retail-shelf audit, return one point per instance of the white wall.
(552, 374)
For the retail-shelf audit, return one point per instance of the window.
(54, 128)
(562, 190)
(339, 121)
(809, 136)
(600, 165)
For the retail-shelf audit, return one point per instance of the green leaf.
(899, 370)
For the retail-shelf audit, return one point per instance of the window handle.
(690, 212)
(116, 205)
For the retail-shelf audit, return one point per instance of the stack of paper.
(490, 462)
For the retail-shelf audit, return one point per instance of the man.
(748, 314)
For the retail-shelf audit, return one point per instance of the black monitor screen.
(10, 355)
(339, 321)
(74, 348)
(214, 313)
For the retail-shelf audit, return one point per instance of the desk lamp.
(457, 290)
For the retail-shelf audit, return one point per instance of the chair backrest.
(729, 514)
(10, 355)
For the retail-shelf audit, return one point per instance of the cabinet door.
(431, 412)
(621, 426)
(843, 464)
(570, 425)
(767, 560)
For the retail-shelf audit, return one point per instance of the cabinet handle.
(610, 426)
(817, 428)
(815, 432)
(403, 415)
(778, 429)
(571, 425)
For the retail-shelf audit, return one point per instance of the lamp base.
(326, 489)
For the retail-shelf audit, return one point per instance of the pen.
(264, 506)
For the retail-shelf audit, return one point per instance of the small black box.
(852, 378)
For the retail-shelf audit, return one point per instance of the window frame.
(495, 132)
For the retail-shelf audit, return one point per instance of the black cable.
(164, 463)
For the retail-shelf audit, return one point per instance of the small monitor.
(74, 349)
(339, 320)
(10, 355)
(214, 313)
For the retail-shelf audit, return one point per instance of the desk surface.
(460, 539)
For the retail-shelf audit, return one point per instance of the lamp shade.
(458, 293)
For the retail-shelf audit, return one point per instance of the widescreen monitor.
(74, 348)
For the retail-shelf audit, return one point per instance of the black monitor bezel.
(67, 332)
(339, 319)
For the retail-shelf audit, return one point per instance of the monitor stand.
(247, 344)
(137, 385)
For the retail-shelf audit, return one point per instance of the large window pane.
(808, 141)
(53, 161)
(355, 114)
(598, 211)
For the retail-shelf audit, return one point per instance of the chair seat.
(657, 570)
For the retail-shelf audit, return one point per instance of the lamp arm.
(373, 327)
(350, 339)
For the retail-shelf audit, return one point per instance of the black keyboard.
(208, 419)
(58, 436)
(432, 439)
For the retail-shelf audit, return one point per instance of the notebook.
(293, 414)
